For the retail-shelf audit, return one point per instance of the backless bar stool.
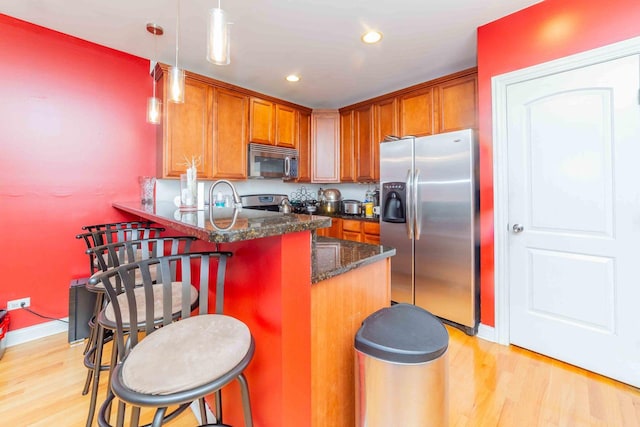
(172, 361)
(93, 239)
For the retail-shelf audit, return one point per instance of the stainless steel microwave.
(268, 161)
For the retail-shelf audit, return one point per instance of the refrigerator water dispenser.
(393, 202)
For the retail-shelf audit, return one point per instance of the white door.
(574, 216)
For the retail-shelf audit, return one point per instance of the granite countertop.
(332, 257)
(218, 224)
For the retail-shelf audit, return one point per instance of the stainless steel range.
(263, 202)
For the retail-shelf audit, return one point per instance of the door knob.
(518, 228)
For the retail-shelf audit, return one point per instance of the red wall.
(73, 138)
(546, 31)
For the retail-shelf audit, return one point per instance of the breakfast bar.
(303, 298)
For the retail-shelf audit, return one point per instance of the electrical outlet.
(17, 303)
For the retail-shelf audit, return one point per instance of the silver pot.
(330, 207)
(332, 195)
(351, 207)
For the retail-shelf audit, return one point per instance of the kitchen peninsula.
(302, 296)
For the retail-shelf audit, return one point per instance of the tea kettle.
(285, 206)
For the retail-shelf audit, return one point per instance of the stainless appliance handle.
(409, 205)
(416, 204)
(287, 166)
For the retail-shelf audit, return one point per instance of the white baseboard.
(487, 333)
(35, 332)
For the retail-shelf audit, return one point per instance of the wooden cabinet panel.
(371, 228)
(457, 101)
(363, 139)
(286, 129)
(416, 113)
(338, 307)
(353, 225)
(352, 235)
(347, 152)
(261, 120)
(335, 230)
(187, 130)
(230, 112)
(371, 232)
(385, 124)
(304, 147)
(325, 139)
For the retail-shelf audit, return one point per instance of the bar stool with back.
(172, 361)
(98, 236)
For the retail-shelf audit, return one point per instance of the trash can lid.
(402, 333)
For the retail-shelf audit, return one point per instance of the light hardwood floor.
(489, 385)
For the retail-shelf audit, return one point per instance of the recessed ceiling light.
(293, 78)
(372, 37)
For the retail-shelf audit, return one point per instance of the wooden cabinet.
(385, 123)
(457, 104)
(261, 120)
(363, 141)
(352, 230)
(325, 146)
(215, 124)
(230, 123)
(286, 126)
(371, 232)
(335, 230)
(304, 146)
(361, 231)
(347, 152)
(338, 307)
(272, 123)
(416, 113)
(187, 129)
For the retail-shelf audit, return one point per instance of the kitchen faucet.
(237, 203)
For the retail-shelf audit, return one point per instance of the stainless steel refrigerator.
(428, 212)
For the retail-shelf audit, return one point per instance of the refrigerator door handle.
(416, 205)
(409, 205)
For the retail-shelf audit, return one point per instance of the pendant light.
(176, 75)
(218, 37)
(154, 105)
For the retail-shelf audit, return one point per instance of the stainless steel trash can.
(401, 369)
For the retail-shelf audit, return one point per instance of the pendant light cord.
(177, 32)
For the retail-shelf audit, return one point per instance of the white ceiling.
(319, 39)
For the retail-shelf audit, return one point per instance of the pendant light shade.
(176, 74)
(154, 108)
(176, 85)
(154, 105)
(218, 40)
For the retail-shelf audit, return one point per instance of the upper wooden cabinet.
(261, 121)
(325, 146)
(215, 124)
(347, 150)
(286, 126)
(272, 123)
(230, 124)
(363, 140)
(304, 147)
(187, 129)
(385, 122)
(457, 104)
(416, 113)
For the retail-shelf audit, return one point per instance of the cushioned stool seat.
(194, 351)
